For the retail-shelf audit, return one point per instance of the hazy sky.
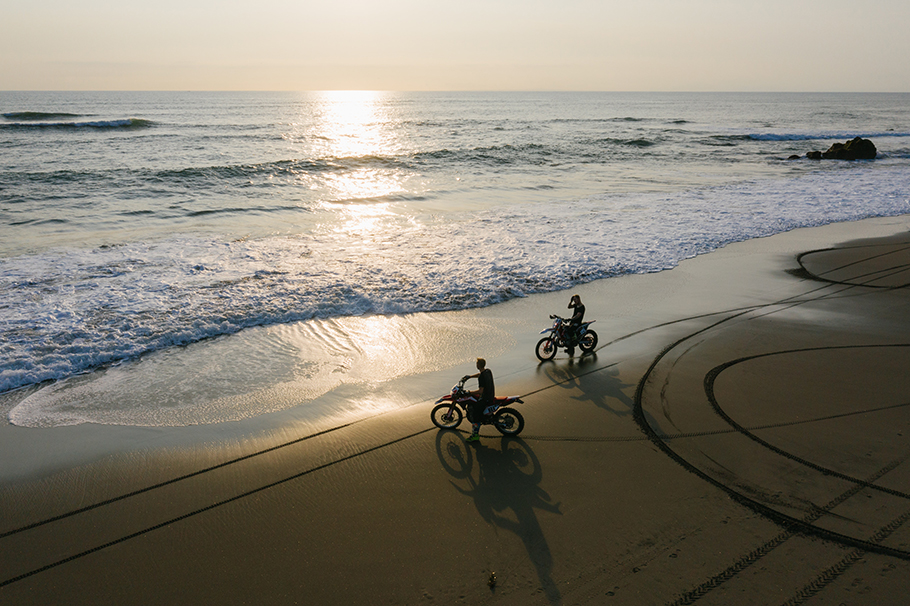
(641, 45)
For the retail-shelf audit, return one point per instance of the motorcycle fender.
(546, 330)
(442, 399)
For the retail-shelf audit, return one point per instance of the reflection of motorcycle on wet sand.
(447, 414)
(561, 334)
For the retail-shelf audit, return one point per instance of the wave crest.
(34, 116)
(38, 123)
(824, 136)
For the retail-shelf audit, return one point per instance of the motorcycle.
(559, 336)
(447, 414)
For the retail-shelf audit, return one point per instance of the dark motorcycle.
(448, 411)
(562, 335)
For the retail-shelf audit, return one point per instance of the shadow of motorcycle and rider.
(605, 392)
(507, 479)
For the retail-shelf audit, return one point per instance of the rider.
(575, 321)
(485, 396)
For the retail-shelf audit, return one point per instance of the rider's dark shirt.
(578, 316)
(485, 381)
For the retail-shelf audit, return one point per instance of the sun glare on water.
(356, 131)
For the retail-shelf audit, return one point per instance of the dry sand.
(739, 437)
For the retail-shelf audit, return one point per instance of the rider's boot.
(475, 433)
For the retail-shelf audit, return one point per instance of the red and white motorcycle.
(451, 409)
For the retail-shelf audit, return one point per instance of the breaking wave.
(40, 123)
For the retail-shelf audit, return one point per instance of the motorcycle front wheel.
(546, 349)
(508, 421)
(588, 341)
(446, 416)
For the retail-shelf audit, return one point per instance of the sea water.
(136, 225)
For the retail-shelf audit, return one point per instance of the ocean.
(137, 224)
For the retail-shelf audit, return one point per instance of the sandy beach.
(739, 436)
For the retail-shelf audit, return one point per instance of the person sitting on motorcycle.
(575, 321)
(485, 395)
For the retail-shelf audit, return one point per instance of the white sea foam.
(69, 310)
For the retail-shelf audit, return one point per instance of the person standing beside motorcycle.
(485, 394)
(575, 321)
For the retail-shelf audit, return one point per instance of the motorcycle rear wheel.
(508, 421)
(588, 341)
(546, 349)
(443, 419)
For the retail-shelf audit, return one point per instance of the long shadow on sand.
(604, 393)
(507, 478)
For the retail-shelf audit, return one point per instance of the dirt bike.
(562, 335)
(448, 411)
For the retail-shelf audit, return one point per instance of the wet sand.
(740, 436)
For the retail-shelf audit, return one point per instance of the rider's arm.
(478, 393)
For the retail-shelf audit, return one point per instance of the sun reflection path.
(356, 131)
(360, 223)
(353, 123)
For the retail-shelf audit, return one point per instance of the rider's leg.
(474, 418)
(573, 339)
(480, 417)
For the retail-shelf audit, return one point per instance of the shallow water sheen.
(259, 371)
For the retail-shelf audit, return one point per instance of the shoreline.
(586, 505)
(620, 305)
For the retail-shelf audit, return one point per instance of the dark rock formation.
(854, 149)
